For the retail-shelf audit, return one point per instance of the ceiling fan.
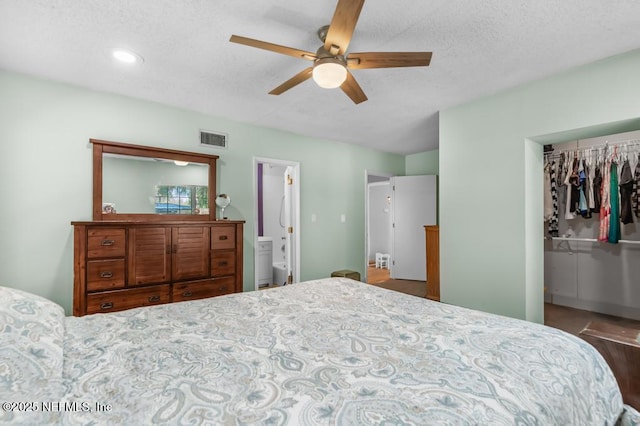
(331, 63)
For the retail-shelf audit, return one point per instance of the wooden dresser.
(122, 264)
(432, 237)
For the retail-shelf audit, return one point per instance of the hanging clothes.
(597, 189)
(570, 182)
(553, 222)
(635, 198)
(605, 207)
(560, 188)
(598, 180)
(560, 172)
(548, 200)
(626, 188)
(614, 223)
(574, 180)
(583, 188)
(591, 168)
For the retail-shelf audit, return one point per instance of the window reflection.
(188, 199)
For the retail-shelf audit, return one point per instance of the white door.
(289, 195)
(414, 206)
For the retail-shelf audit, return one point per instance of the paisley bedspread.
(324, 352)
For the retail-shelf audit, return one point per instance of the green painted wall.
(490, 179)
(45, 168)
(422, 163)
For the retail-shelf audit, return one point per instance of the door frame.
(368, 173)
(295, 213)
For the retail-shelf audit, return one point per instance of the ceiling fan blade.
(342, 26)
(357, 61)
(353, 89)
(302, 76)
(296, 53)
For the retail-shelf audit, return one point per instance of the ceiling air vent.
(213, 139)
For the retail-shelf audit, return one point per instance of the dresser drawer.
(223, 237)
(200, 289)
(105, 242)
(223, 263)
(118, 300)
(105, 274)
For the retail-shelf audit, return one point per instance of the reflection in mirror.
(144, 185)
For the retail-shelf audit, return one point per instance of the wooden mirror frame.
(101, 147)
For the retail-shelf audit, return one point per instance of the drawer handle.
(106, 274)
(223, 237)
(154, 299)
(223, 288)
(223, 263)
(107, 242)
(106, 305)
(187, 294)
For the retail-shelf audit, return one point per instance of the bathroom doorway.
(276, 222)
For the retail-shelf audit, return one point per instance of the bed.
(323, 352)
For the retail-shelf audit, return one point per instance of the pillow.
(31, 342)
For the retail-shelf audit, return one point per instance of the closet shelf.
(591, 240)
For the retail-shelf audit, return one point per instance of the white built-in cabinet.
(265, 261)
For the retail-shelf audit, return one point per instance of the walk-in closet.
(592, 229)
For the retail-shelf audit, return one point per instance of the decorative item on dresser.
(432, 236)
(124, 260)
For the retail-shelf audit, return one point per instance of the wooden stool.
(620, 347)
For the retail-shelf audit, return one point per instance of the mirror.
(153, 185)
(133, 182)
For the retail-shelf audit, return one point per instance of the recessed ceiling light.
(126, 56)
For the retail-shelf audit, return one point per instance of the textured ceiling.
(479, 47)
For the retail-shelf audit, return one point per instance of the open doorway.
(397, 209)
(377, 226)
(276, 222)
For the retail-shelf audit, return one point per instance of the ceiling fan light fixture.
(329, 73)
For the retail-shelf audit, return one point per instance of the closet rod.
(591, 240)
(634, 144)
(558, 154)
